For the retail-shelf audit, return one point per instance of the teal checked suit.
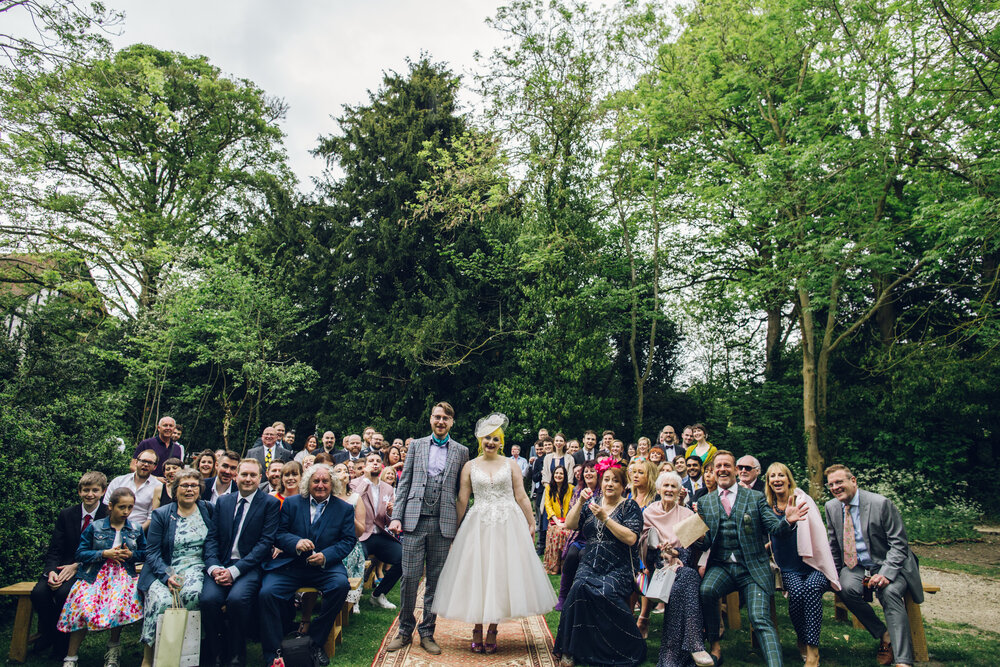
(744, 565)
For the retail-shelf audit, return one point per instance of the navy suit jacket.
(66, 536)
(333, 534)
(260, 527)
(209, 484)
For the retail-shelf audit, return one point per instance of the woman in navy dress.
(596, 626)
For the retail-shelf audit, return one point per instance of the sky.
(316, 55)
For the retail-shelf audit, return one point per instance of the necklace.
(599, 530)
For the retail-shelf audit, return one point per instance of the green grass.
(967, 568)
(840, 645)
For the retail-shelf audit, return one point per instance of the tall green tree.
(131, 161)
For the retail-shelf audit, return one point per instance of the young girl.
(105, 594)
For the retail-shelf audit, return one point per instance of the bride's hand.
(531, 529)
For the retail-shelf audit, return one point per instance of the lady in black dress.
(596, 626)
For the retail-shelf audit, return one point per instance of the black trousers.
(48, 604)
(390, 552)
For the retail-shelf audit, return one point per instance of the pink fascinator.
(606, 463)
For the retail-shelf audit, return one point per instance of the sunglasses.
(744, 467)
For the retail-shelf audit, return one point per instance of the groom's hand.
(395, 527)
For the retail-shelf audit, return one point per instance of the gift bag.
(660, 584)
(178, 637)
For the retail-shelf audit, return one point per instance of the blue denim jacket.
(100, 536)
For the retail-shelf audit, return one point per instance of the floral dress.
(355, 561)
(188, 562)
(110, 602)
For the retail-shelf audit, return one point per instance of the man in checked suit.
(874, 546)
(426, 510)
(739, 522)
(315, 534)
(240, 539)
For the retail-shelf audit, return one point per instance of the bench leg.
(308, 604)
(733, 611)
(22, 628)
(916, 618)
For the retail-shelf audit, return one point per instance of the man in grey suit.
(269, 450)
(426, 512)
(871, 551)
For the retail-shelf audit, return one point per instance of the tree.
(131, 160)
(55, 30)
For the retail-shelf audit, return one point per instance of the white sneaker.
(356, 609)
(69, 662)
(380, 601)
(112, 657)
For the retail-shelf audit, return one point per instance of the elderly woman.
(596, 626)
(804, 558)
(175, 554)
(681, 639)
(576, 540)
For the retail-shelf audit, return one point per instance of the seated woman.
(805, 561)
(681, 639)
(104, 595)
(557, 497)
(175, 558)
(596, 626)
(170, 469)
(291, 475)
(354, 563)
(311, 447)
(576, 540)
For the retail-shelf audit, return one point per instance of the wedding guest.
(291, 475)
(311, 447)
(701, 448)
(748, 469)
(143, 485)
(557, 503)
(171, 467)
(104, 595)
(867, 535)
(354, 562)
(682, 621)
(643, 446)
(596, 625)
(272, 482)
(205, 463)
(175, 558)
(805, 561)
(49, 595)
(656, 457)
(388, 476)
(642, 480)
(576, 540)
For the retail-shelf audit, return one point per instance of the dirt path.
(964, 598)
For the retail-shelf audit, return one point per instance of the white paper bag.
(660, 584)
(165, 653)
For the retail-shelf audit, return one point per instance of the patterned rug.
(523, 642)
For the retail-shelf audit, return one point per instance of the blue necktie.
(319, 513)
(236, 524)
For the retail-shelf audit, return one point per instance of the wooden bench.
(913, 613)
(341, 621)
(21, 636)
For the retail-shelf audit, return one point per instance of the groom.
(428, 520)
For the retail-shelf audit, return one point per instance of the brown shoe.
(429, 645)
(884, 654)
(398, 642)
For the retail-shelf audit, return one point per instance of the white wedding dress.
(492, 572)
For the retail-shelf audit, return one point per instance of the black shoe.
(319, 656)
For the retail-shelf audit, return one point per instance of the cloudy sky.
(317, 55)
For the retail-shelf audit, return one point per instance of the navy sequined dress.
(597, 626)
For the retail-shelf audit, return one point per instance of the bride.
(492, 573)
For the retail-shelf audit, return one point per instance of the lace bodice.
(494, 495)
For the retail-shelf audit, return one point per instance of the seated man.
(49, 594)
(739, 522)
(376, 540)
(143, 485)
(224, 482)
(240, 539)
(315, 534)
(871, 552)
(748, 469)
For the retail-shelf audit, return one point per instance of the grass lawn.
(841, 645)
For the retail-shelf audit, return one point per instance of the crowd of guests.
(763, 533)
(236, 536)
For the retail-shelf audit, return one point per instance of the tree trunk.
(810, 395)
(886, 315)
(772, 342)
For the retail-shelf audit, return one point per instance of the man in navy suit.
(315, 534)
(50, 593)
(239, 541)
(225, 482)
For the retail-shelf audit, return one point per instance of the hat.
(487, 425)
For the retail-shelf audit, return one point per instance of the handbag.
(295, 651)
(660, 584)
(178, 636)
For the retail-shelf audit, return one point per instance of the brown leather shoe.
(429, 645)
(398, 642)
(884, 654)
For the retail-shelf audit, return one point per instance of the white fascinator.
(487, 425)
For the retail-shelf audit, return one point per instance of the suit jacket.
(579, 457)
(410, 491)
(692, 494)
(333, 534)
(754, 522)
(885, 535)
(260, 526)
(344, 455)
(374, 519)
(209, 484)
(66, 536)
(678, 448)
(758, 485)
(160, 542)
(280, 454)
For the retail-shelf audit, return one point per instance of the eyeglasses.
(147, 462)
(833, 486)
(744, 467)
(188, 486)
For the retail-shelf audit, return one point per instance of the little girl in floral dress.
(104, 595)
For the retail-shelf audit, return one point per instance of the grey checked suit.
(885, 536)
(426, 539)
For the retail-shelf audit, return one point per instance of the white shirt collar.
(734, 488)
(249, 498)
